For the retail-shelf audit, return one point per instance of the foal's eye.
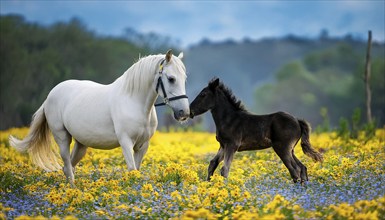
(171, 80)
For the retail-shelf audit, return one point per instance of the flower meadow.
(349, 184)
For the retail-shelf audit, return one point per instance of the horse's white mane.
(141, 74)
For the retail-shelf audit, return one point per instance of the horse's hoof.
(72, 184)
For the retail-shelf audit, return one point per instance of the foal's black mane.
(234, 101)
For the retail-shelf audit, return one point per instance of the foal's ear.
(168, 55)
(214, 84)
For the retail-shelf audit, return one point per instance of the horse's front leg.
(128, 151)
(139, 154)
(228, 158)
(214, 163)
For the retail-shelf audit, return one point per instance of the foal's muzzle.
(191, 114)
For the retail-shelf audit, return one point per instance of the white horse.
(106, 116)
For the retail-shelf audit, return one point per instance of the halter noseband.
(166, 101)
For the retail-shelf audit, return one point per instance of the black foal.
(239, 130)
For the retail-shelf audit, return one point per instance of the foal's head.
(205, 100)
(215, 93)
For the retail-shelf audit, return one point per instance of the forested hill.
(292, 74)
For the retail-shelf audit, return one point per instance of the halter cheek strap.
(166, 101)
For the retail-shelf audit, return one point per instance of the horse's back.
(81, 108)
(70, 92)
(66, 90)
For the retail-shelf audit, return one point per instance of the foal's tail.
(305, 142)
(38, 143)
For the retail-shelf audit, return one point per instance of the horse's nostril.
(181, 113)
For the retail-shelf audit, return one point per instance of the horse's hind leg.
(77, 153)
(288, 160)
(303, 168)
(214, 163)
(63, 139)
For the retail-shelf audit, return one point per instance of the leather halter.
(166, 101)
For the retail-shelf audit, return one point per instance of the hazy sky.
(191, 21)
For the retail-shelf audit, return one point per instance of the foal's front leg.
(214, 163)
(229, 156)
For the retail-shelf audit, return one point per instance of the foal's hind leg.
(303, 168)
(77, 153)
(215, 162)
(288, 160)
(63, 139)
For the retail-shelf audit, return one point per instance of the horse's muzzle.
(181, 115)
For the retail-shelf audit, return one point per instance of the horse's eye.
(203, 94)
(171, 80)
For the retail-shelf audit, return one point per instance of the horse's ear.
(214, 84)
(168, 55)
(180, 56)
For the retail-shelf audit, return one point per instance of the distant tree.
(367, 73)
(341, 56)
(324, 35)
(205, 42)
(296, 90)
(150, 40)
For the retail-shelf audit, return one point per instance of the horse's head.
(171, 85)
(205, 100)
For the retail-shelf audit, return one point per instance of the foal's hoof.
(300, 181)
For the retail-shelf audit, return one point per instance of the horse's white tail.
(38, 143)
